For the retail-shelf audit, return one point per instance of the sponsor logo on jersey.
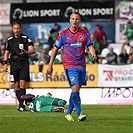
(78, 44)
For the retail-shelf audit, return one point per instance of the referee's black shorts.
(20, 70)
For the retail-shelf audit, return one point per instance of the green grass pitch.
(100, 119)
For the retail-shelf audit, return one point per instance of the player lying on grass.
(44, 103)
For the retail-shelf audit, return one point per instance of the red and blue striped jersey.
(73, 47)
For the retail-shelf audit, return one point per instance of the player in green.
(44, 103)
(128, 33)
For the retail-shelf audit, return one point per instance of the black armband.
(4, 62)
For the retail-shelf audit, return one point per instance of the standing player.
(19, 46)
(128, 33)
(74, 40)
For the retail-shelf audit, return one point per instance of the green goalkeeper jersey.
(44, 104)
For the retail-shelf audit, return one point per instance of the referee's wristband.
(4, 62)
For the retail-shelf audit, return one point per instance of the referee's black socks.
(21, 92)
(17, 95)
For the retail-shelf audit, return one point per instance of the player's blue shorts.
(76, 76)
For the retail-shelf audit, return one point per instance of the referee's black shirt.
(14, 45)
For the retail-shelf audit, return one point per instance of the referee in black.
(18, 46)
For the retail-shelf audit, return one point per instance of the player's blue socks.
(71, 105)
(76, 102)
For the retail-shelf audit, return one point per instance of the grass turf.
(100, 119)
